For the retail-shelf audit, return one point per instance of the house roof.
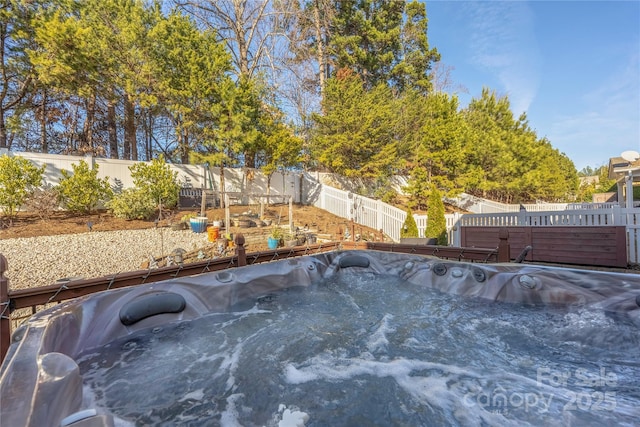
(619, 168)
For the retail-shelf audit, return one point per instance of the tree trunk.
(222, 190)
(112, 130)
(269, 188)
(3, 130)
(183, 140)
(184, 148)
(243, 45)
(130, 152)
(42, 117)
(149, 135)
(320, 47)
(250, 159)
(72, 145)
(86, 142)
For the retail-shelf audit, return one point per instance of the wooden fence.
(626, 247)
(597, 245)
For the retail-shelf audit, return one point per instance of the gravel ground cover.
(42, 260)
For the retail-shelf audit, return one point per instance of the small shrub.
(436, 222)
(18, 178)
(187, 217)
(277, 233)
(409, 227)
(132, 204)
(43, 201)
(82, 190)
(158, 181)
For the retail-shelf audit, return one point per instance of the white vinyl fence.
(389, 219)
(374, 213)
(479, 205)
(240, 180)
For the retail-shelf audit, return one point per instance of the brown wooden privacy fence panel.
(604, 246)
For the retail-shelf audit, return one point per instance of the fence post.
(291, 214)
(227, 213)
(5, 314)
(617, 217)
(379, 216)
(504, 250)
(241, 252)
(455, 230)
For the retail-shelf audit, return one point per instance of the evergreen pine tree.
(436, 223)
(409, 227)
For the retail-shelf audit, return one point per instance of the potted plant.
(243, 222)
(177, 226)
(291, 240)
(198, 224)
(273, 241)
(183, 223)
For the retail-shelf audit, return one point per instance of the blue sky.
(572, 66)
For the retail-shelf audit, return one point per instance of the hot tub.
(342, 338)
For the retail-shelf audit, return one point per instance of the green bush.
(18, 178)
(133, 203)
(436, 222)
(158, 181)
(82, 190)
(409, 227)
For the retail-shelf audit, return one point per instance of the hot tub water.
(368, 349)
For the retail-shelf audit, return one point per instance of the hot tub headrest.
(150, 305)
(354, 261)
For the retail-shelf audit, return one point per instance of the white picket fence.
(381, 216)
(376, 214)
(479, 205)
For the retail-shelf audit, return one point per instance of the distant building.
(626, 173)
(589, 180)
(605, 197)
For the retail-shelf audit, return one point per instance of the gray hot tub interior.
(376, 338)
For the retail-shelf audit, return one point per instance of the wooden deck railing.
(11, 301)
